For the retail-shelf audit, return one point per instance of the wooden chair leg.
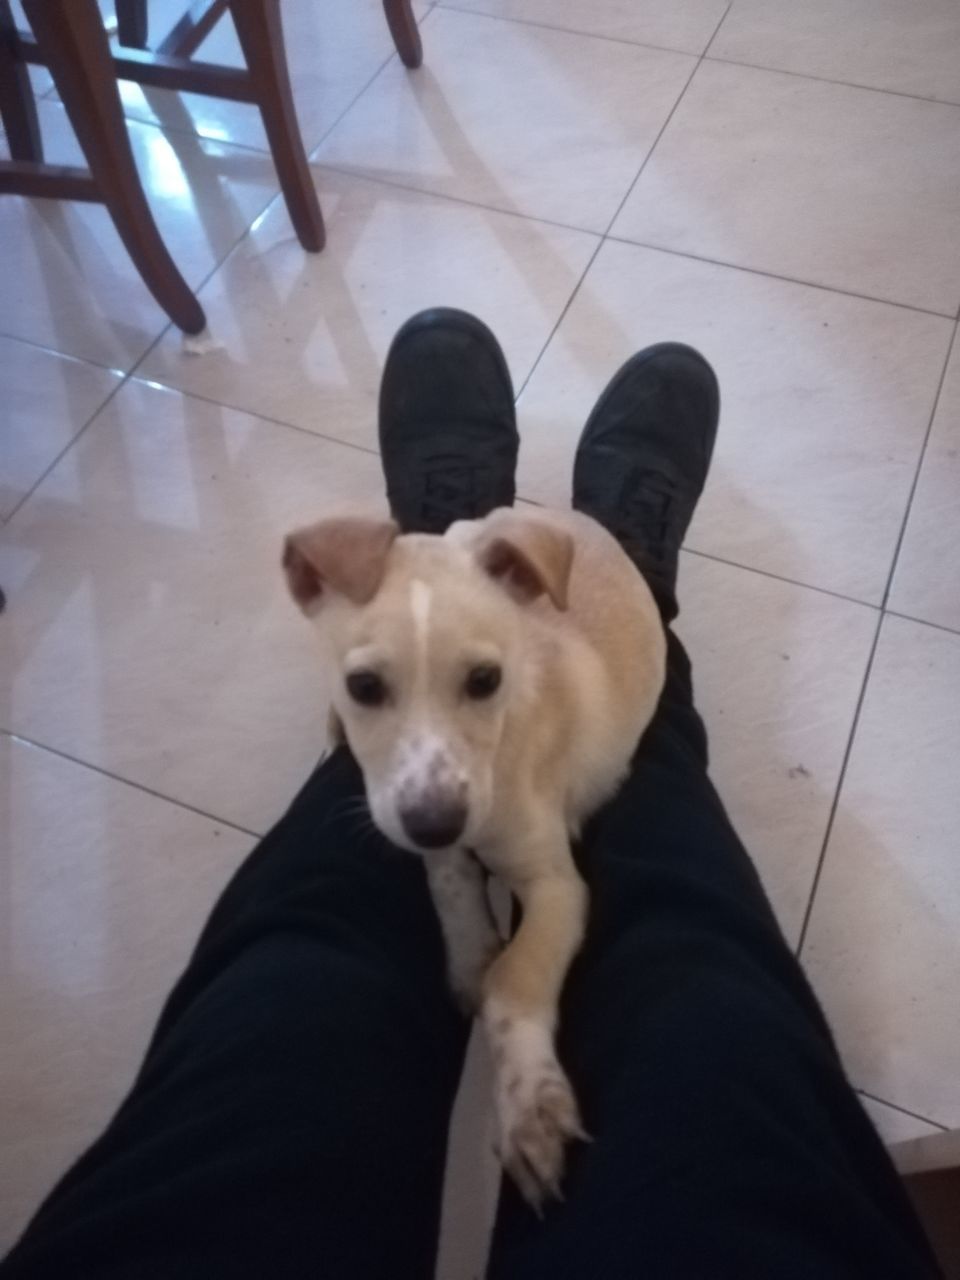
(18, 109)
(405, 32)
(261, 39)
(132, 26)
(72, 37)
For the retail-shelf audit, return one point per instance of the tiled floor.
(776, 183)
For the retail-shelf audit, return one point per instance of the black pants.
(290, 1118)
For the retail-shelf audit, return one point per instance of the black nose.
(434, 826)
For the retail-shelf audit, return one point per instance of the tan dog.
(492, 684)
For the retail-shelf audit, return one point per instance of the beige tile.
(333, 50)
(825, 403)
(819, 182)
(304, 337)
(46, 400)
(559, 131)
(908, 46)
(685, 25)
(105, 891)
(69, 283)
(881, 948)
(777, 671)
(926, 584)
(148, 630)
(894, 1125)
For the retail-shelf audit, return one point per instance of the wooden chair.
(68, 38)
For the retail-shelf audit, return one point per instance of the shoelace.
(449, 489)
(645, 511)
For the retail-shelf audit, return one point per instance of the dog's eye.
(367, 688)
(483, 682)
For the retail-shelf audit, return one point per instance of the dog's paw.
(537, 1115)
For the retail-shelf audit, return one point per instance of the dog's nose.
(435, 826)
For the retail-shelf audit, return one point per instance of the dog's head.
(425, 640)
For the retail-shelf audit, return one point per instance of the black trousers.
(290, 1118)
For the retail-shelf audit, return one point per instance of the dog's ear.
(530, 558)
(347, 554)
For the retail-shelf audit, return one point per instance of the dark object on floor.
(448, 429)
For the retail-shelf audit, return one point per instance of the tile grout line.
(124, 378)
(616, 214)
(569, 31)
(845, 84)
(64, 355)
(895, 1106)
(835, 804)
(773, 275)
(663, 128)
(922, 622)
(919, 468)
(841, 776)
(256, 414)
(127, 782)
(781, 577)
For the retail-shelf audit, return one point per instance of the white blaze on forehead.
(421, 598)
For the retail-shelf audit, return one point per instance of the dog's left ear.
(530, 558)
(347, 555)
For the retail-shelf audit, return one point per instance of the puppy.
(492, 683)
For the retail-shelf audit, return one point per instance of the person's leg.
(297, 1087)
(727, 1142)
(290, 1117)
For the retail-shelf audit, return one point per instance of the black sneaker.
(448, 430)
(643, 458)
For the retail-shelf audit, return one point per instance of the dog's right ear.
(347, 554)
(529, 557)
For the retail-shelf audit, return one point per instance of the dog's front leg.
(458, 886)
(536, 1108)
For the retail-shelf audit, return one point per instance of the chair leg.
(405, 32)
(261, 39)
(132, 23)
(18, 109)
(73, 40)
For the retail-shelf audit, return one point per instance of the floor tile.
(304, 337)
(46, 400)
(148, 629)
(105, 891)
(894, 1125)
(69, 282)
(684, 25)
(777, 671)
(907, 46)
(826, 400)
(926, 584)
(819, 182)
(881, 948)
(559, 132)
(333, 50)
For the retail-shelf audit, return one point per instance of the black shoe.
(643, 458)
(448, 431)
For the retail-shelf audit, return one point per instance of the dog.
(493, 684)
